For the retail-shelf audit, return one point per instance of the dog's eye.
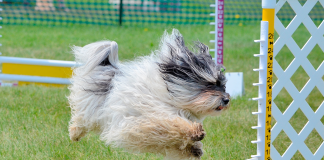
(218, 83)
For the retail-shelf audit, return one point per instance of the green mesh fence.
(107, 12)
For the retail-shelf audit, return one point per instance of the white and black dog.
(155, 104)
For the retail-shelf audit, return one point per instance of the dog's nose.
(225, 100)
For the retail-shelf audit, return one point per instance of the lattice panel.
(300, 142)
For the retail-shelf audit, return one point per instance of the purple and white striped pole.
(219, 30)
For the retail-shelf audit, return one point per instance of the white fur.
(138, 113)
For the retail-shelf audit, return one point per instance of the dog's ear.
(187, 69)
(183, 67)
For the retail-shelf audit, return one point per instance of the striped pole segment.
(220, 33)
(219, 30)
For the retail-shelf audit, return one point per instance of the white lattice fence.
(284, 81)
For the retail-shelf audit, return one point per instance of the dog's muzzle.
(225, 102)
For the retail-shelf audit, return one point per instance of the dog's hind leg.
(76, 133)
(76, 129)
(91, 84)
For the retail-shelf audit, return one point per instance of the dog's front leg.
(174, 137)
(191, 147)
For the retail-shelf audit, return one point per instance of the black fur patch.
(105, 62)
(192, 68)
(101, 86)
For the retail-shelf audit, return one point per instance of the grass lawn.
(34, 119)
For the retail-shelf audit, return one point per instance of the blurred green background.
(137, 12)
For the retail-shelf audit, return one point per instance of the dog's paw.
(196, 151)
(199, 134)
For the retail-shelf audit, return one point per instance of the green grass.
(34, 119)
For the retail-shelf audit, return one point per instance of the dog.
(156, 103)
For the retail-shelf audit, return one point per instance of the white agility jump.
(299, 97)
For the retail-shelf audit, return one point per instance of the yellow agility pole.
(268, 14)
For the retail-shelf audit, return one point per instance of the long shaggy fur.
(156, 103)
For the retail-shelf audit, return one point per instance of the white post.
(43, 62)
(268, 3)
(1, 83)
(39, 79)
(0, 26)
(262, 90)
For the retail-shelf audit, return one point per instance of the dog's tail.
(98, 53)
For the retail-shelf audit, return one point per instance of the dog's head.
(192, 78)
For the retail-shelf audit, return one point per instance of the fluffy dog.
(155, 104)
